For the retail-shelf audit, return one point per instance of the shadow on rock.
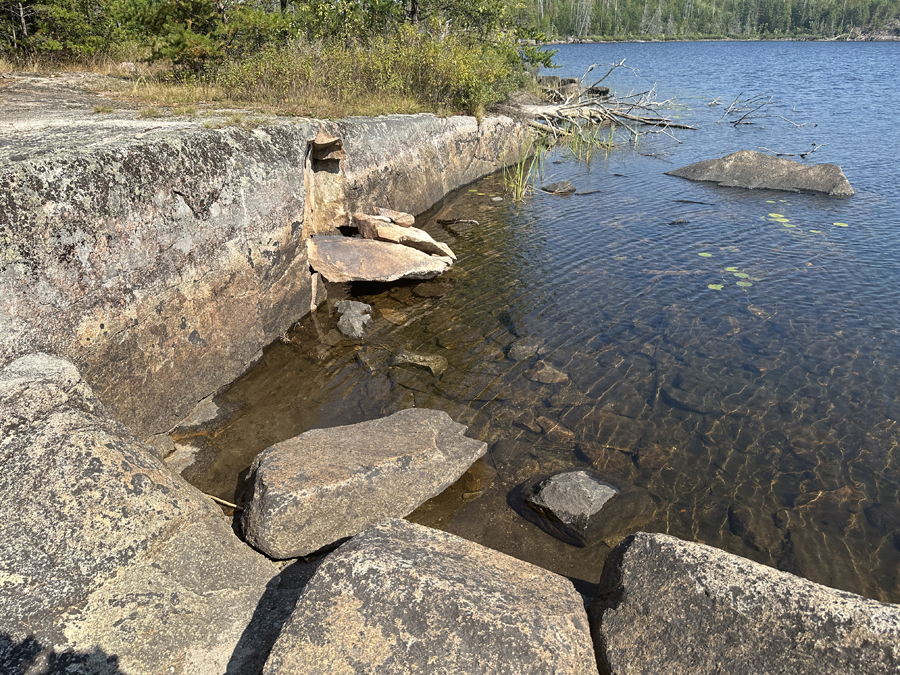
(272, 612)
(29, 657)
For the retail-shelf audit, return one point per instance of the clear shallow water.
(764, 418)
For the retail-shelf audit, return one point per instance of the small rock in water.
(584, 507)
(563, 187)
(431, 290)
(496, 199)
(436, 364)
(554, 431)
(394, 316)
(544, 373)
(523, 349)
(354, 317)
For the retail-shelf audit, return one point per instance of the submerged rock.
(402, 598)
(563, 187)
(667, 605)
(544, 373)
(354, 317)
(327, 484)
(372, 227)
(435, 363)
(523, 349)
(104, 550)
(757, 170)
(583, 507)
(341, 259)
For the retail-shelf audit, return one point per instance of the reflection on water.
(735, 353)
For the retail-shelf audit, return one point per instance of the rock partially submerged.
(341, 259)
(757, 170)
(402, 598)
(669, 606)
(436, 363)
(354, 317)
(327, 484)
(104, 551)
(372, 227)
(584, 507)
(563, 187)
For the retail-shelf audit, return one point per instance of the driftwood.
(584, 110)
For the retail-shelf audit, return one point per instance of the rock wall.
(160, 262)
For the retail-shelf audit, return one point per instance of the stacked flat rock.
(341, 259)
(405, 599)
(670, 606)
(327, 484)
(390, 249)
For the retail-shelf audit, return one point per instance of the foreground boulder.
(106, 558)
(405, 599)
(327, 484)
(341, 259)
(584, 507)
(757, 170)
(669, 606)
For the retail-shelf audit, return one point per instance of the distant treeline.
(685, 19)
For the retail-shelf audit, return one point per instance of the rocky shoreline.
(143, 266)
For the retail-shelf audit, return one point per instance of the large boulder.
(326, 484)
(669, 606)
(341, 259)
(757, 170)
(405, 599)
(107, 559)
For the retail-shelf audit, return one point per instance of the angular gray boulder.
(584, 507)
(327, 484)
(405, 599)
(670, 606)
(759, 171)
(103, 550)
(341, 259)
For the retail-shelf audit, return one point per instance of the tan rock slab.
(326, 484)
(341, 259)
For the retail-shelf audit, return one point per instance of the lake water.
(764, 418)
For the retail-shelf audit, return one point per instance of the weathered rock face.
(326, 484)
(757, 170)
(585, 507)
(340, 259)
(670, 606)
(407, 163)
(103, 550)
(404, 599)
(372, 228)
(160, 265)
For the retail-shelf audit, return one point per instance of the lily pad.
(789, 225)
(715, 287)
(816, 231)
(705, 255)
(473, 190)
(731, 269)
(842, 225)
(744, 284)
(776, 215)
(780, 220)
(742, 275)
(770, 201)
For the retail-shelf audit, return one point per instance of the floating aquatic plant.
(816, 231)
(715, 287)
(789, 225)
(744, 284)
(842, 225)
(775, 215)
(731, 269)
(705, 255)
(742, 275)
